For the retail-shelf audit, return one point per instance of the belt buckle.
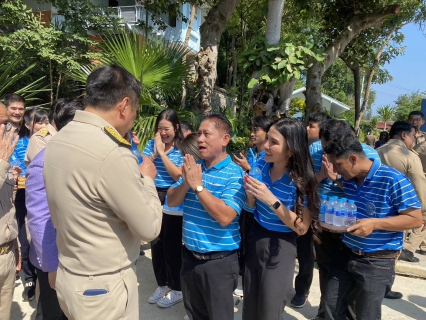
(358, 252)
(198, 256)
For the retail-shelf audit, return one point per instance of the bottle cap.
(351, 201)
(344, 199)
(324, 197)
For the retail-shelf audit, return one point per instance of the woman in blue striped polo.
(164, 153)
(284, 205)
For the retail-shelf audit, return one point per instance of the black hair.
(416, 113)
(334, 128)
(319, 117)
(301, 169)
(31, 117)
(171, 116)
(399, 127)
(108, 85)
(384, 135)
(13, 97)
(220, 121)
(186, 126)
(262, 122)
(63, 111)
(344, 145)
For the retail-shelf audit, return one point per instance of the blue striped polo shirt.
(163, 178)
(201, 232)
(258, 155)
(285, 191)
(384, 192)
(326, 186)
(19, 154)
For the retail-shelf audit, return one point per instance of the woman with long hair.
(383, 139)
(164, 152)
(285, 204)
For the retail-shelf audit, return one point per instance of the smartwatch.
(276, 205)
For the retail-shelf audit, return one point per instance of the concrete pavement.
(412, 306)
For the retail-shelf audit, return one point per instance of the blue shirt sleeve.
(233, 193)
(403, 196)
(149, 149)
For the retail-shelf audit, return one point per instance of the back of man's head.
(400, 127)
(108, 85)
(319, 117)
(13, 97)
(220, 121)
(333, 129)
(63, 111)
(344, 145)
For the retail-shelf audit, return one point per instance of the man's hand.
(147, 168)
(133, 137)
(18, 261)
(328, 169)
(242, 162)
(7, 143)
(363, 227)
(52, 279)
(192, 173)
(16, 171)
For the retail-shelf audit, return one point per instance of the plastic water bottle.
(323, 208)
(351, 213)
(255, 171)
(340, 213)
(329, 211)
(134, 149)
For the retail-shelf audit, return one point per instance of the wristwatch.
(198, 189)
(276, 205)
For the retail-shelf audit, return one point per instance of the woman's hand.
(159, 146)
(259, 190)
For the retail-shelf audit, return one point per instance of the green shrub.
(239, 145)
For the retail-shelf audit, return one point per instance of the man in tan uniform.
(9, 250)
(417, 119)
(101, 203)
(421, 150)
(370, 139)
(397, 154)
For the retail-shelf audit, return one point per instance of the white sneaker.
(170, 299)
(158, 294)
(239, 292)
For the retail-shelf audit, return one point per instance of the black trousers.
(245, 221)
(306, 258)
(331, 244)
(166, 252)
(207, 286)
(21, 213)
(268, 275)
(47, 306)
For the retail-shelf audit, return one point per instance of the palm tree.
(159, 66)
(386, 114)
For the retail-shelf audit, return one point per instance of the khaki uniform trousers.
(120, 302)
(7, 283)
(416, 240)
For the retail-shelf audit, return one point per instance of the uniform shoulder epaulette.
(415, 152)
(114, 135)
(42, 132)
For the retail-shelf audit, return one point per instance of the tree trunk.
(187, 36)
(273, 24)
(355, 26)
(234, 63)
(206, 62)
(364, 105)
(286, 91)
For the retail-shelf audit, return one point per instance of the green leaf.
(292, 59)
(282, 64)
(296, 74)
(270, 49)
(252, 83)
(289, 68)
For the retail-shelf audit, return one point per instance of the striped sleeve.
(403, 196)
(149, 149)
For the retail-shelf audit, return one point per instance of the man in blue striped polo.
(386, 206)
(213, 195)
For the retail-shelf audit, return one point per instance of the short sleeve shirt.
(163, 178)
(384, 193)
(201, 232)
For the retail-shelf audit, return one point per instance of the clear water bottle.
(255, 171)
(351, 213)
(329, 211)
(340, 213)
(323, 208)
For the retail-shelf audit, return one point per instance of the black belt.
(214, 255)
(383, 254)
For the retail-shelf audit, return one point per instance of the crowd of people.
(76, 204)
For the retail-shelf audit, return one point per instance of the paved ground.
(412, 306)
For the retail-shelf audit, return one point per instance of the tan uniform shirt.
(38, 142)
(370, 140)
(8, 224)
(421, 138)
(99, 203)
(396, 155)
(421, 150)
